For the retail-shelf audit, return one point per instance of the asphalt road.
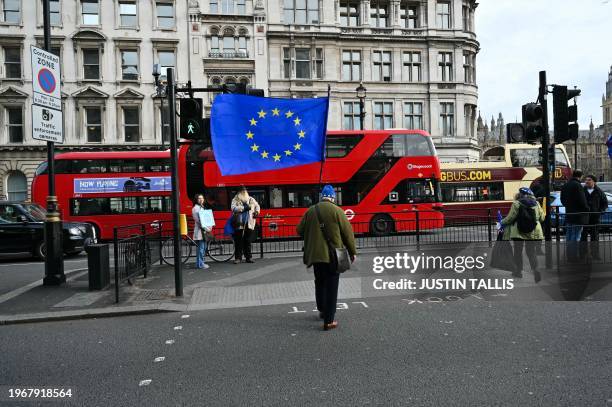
(390, 353)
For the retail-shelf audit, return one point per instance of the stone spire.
(480, 125)
(492, 123)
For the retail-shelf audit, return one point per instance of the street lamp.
(160, 88)
(361, 95)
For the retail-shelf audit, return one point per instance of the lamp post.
(361, 95)
(160, 88)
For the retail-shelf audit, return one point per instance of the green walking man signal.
(191, 118)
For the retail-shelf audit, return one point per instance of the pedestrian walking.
(522, 226)
(597, 203)
(199, 231)
(576, 207)
(317, 252)
(244, 211)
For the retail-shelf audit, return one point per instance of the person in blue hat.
(522, 226)
(316, 252)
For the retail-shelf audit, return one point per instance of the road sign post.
(47, 125)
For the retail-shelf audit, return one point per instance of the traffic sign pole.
(54, 257)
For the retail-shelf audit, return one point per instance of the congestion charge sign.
(47, 120)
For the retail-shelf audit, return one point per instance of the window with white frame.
(318, 63)
(413, 115)
(411, 66)
(287, 63)
(243, 50)
(128, 14)
(379, 13)
(166, 59)
(131, 123)
(383, 115)
(469, 67)
(443, 14)
(93, 123)
(241, 6)
(409, 14)
(17, 186)
(12, 62)
(301, 11)
(11, 11)
(349, 13)
(381, 70)
(351, 112)
(445, 66)
(165, 14)
(129, 64)
(90, 12)
(468, 17)
(91, 63)
(470, 120)
(55, 12)
(163, 118)
(351, 65)
(304, 63)
(13, 119)
(447, 119)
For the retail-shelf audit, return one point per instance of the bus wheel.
(381, 225)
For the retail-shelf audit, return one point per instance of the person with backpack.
(522, 226)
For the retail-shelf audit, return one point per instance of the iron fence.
(136, 248)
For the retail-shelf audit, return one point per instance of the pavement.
(275, 279)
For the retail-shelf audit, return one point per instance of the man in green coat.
(528, 239)
(316, 252)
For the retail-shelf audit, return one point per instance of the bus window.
(340, 146)
(560, 158)
(473, 192)
(276, 198)
(130, 204)
(413, 191)
(406, 145)
(525, 157)
(88, 166)
(157, 165)
(301, 197)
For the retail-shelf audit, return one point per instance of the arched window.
(17, 186)
(229, 42)
(242, 43)
(214, 81)
(214, 41)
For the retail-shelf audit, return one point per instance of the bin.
(98, 264)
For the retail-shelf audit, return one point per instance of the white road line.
(145, 382)
(185, 316)
(169, 341)
(159, 359)
(12, 294)
(178, 328)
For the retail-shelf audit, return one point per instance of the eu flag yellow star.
(253, 122)
(254, 148)
(275, 112)
(302, 134)
(288, 153)
(264, 154)
(262, 114)
(276, 157)
(297, 121)
(289, 114)
(297, 146)
(249, 135)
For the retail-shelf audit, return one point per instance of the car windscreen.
(36, 211)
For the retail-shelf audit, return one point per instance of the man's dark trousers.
(326, 290)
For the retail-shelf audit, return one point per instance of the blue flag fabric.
(251, 134)
(609, 144)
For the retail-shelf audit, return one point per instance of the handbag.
(501, 256)
(338, 257)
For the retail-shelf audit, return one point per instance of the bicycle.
(220, 250)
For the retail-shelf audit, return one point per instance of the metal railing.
(136, 248)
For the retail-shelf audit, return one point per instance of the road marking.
(159, 359)
(145, 382)
(18, 291)
(295, 310)
(169, 341)
(178, 328)
(185, 316)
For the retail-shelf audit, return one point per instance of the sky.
(570, 39)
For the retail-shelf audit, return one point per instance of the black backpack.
(526, 219)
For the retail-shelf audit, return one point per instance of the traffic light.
(532, 122)
(191, 119)
(515, 133)
(242, 89)
(565, 117)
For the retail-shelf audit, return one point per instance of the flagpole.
(324, 139)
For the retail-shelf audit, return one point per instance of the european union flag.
(251, 134)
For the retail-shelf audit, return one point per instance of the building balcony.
(228, 54)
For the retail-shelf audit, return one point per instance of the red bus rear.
(109, 189)
(382, 179)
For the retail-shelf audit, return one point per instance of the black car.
(22, 231)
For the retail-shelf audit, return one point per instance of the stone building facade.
(591, 155)
(107, 49)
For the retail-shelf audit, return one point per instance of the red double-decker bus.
(382, 179)
(109, 189)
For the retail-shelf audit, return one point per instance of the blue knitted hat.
(328, 192)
